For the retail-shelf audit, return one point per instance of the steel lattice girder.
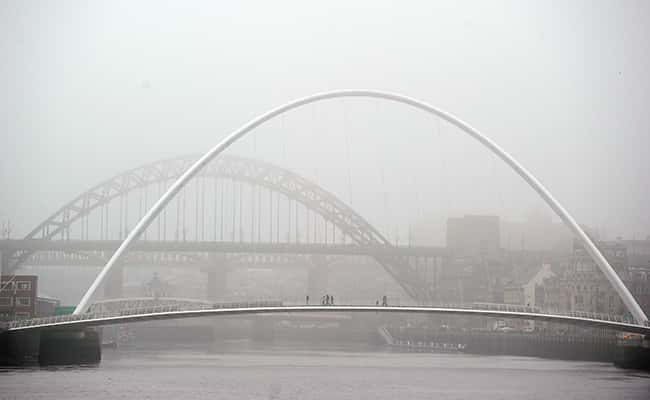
(254, 172)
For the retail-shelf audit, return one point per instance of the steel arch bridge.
(295, 211)
(282, 182)
(196, 168)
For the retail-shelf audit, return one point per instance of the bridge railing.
(537, 310)
(152, 309)
(187, 306)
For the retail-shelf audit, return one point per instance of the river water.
(287, 373)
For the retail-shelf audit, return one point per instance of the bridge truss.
(252, 205)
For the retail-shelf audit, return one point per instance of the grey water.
(277, 372)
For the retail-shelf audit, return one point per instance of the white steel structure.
(564, 215)
(178, 311)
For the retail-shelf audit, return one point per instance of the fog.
(90, 89)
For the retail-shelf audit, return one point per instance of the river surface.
(288, 373)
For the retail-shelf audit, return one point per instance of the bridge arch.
(254, 172)
(532, 181)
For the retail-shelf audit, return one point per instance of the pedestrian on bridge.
(307, 299)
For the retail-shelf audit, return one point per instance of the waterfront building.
(18, 296)
(525, 289)
(583, 287)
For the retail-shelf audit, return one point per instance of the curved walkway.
(168, 312)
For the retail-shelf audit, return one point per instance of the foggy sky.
(89, 89)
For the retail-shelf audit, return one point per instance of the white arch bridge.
(319, 202)
(591, 248)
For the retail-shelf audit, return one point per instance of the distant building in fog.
(538, 233)
(583, 287)
(639, 285)
(638, 252)
(525, 290)
(638, 256)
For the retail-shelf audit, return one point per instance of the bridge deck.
(158, 313)
(222, 247)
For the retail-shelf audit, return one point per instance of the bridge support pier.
(70, 347)
(633, 355)
(50, 347)
(18, 348)
(217, 279)
(114, 288)
(317, 279)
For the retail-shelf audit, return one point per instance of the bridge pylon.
(217, 276)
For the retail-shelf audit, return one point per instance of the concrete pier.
(50, 347)
(633, 352)
(69, 347)
(18, 349)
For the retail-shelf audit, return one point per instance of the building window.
(22, 315)
(6, 301)
(23, 301)
(24, 285)
(7, 285)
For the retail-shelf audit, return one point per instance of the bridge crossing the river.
(179, 310)
(253, 206)
(235, 205)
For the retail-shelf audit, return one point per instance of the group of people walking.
(326, 300)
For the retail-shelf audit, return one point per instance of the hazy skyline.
(92, 89)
